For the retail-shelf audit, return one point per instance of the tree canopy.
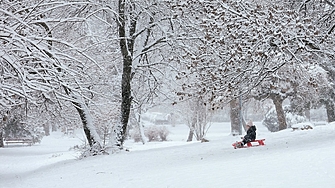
(106, 59)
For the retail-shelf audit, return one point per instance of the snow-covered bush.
(271, 122)
(155, 133)
(152, 133)
(163, 133)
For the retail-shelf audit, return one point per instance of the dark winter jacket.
(251, 134)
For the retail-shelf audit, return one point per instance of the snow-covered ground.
(302, 158)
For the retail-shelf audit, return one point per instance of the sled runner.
(249, 144)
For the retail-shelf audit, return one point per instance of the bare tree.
(39, 64)
(140, 37)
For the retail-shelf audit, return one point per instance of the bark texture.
(126, 30)
(83, 116)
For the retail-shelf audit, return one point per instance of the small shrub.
(163, 133)
(155, 133)
(152, 133)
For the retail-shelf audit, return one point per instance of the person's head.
(249, 123)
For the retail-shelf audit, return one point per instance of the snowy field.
(303, 158)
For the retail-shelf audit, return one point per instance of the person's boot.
(239, 145)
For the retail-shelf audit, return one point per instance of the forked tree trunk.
(278, 102)
(198, 120)
(191, 125)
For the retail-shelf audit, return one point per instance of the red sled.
(249, 144)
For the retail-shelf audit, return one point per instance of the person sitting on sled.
(250, 136)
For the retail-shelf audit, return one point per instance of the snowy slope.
(303, 158)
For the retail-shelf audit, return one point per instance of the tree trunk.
(330, 107)
(89, 129)
(235, 118)
(278, 102)
(139, 124)
(46, 129)
(1, 139)
(141, 129)
(192, 129)
(308, 114)
(2, 125)
(126, 45)
(190, 135)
